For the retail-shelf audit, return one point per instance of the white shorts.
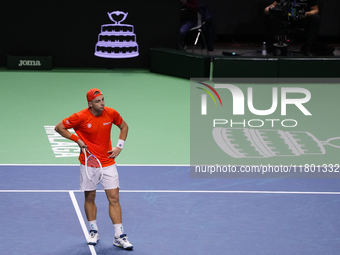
(110, 179)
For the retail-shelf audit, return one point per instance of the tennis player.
(93, 127)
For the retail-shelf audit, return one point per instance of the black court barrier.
(279, 67)
(235, 67)
(318, 67)
(179, 63)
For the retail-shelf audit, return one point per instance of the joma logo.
(29, 63)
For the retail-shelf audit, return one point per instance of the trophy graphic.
(117, 13)
(117, 40)
(265, 143)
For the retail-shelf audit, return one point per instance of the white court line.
(188, 191)
(81, 220)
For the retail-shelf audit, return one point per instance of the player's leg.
(115, 212)
(110, 183)
(89, 189)
(91, 215)
(90, 205)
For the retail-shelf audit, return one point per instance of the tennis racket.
(93, 167)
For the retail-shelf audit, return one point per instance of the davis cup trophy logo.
(117, 40)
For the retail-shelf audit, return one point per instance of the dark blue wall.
(68, 30)
(245, 17)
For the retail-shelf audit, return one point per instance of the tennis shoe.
(122, 242)
(93, 237)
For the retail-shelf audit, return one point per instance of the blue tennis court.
(167, 212)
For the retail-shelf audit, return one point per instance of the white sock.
(119, 230)
(93, 225)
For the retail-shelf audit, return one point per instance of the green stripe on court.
(156, 108)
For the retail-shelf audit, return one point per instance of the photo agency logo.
(204, 97)
(256, 124)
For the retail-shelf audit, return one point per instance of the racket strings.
(94, 169)
(92, 162)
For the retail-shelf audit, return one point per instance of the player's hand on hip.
(114, 152)
(81, 144)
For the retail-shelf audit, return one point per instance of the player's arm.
(266, 10)
(124, 128)
(67, 134)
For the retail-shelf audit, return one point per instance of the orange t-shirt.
(95, 132)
